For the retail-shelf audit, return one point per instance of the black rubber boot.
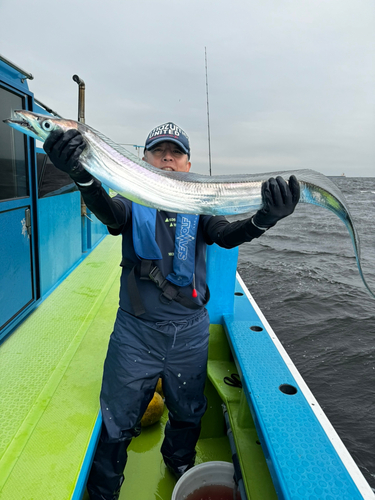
(106, 476)
(178, 471)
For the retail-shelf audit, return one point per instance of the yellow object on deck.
(159, 388)
(154, 411)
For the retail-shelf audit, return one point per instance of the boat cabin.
(46, 231)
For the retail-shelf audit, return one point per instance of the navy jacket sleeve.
(219, 230)
(110, 211)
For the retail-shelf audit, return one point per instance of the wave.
(289, 253)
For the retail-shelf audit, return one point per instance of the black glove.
(279, 201)
(64, 149)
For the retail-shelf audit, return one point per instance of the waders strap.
(135, 297)
(148, 271)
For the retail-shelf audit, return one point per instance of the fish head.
(36, 125)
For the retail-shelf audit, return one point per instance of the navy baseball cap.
(168, 132)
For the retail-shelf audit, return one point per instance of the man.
(161, 329)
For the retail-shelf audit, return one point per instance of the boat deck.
(50, 377)
(51, 370)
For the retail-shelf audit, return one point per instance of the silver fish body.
(183, 192)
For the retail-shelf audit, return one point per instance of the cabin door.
(17, 290)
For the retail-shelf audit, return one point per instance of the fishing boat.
(58, 299)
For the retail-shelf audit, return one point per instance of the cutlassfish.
(183, 192)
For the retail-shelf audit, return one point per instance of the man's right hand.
(64, 149)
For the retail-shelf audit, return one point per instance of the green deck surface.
(51, 369)
(50, 379)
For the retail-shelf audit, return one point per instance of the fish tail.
(336, 204)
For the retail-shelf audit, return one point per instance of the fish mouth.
(19, 118)
(23, 121)
(19, 123)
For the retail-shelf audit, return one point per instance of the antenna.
(208, 115)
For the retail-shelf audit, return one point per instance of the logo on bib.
(183, 239)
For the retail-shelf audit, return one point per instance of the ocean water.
(304, 277)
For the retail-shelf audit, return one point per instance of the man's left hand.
(279, 200)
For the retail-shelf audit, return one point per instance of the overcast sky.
(291, 82)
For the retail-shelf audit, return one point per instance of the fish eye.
(47, 125)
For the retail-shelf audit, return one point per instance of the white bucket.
(203, 475)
